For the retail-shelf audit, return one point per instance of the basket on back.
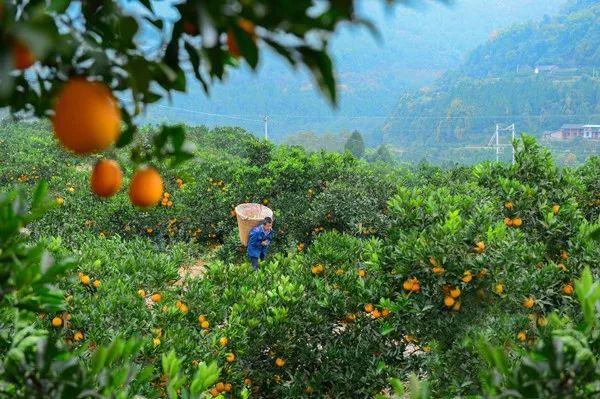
(250, 216)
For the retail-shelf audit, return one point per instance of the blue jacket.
(256, 237)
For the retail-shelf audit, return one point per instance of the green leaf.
(99, 360)
(397, 386)
(595, 234)
(59, 6)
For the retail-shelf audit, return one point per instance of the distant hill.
(569, 40)
(538, 75)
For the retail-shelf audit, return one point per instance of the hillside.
(571, 40)
(498, 84)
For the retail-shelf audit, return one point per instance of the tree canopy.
(45, 43)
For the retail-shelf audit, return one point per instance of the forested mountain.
(538, 76)
(570, 40)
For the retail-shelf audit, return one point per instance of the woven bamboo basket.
(250, 216)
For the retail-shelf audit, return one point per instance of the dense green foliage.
(355, 144)
(349, 234)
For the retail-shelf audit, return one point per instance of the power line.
(243, 118)
(272, 117)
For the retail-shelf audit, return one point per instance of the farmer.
(259, 240)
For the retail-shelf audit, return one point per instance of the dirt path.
(197, 270)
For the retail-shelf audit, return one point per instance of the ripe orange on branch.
(528, 302)
(479, 247)
(146, 188)
(106, 178)
(23, 58)
(568, 289)
(86, 116)
(232, 44)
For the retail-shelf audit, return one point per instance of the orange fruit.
(509, 205)
(184, 308)
(361, 273)
(376, 314)
(385, 312)
(156, 297)
(96, 283)
(232, 45)
(78, 336)
(568, 289)
(279, 362)
(555, 209)
(146, 188)
(499, 288)
(228, 387)
(467, 277)
(482, 273)
(528, 302)
(219, 386)
(317, 269)
(562, 267)
(190, 28)
(456, 307)
(106, 178)
(86, 116)
(155, 341)
(57, 322)
(438, 270)
(141, 293)
(455, 292)
(480, 247)
(542, 321)
(564, 255)
(521, 336)
(449, 301)
(201, 318)
(85, 280)
(23, 58)
(247, 381)
(223, 341)
(205, 324)
(368, 308)
(517, 222)
(508, 222)
(230, 357)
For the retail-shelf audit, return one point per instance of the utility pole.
(512, 145)
(495, 140)
(266, 119)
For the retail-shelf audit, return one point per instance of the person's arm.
(268, 239)
(253, 239)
